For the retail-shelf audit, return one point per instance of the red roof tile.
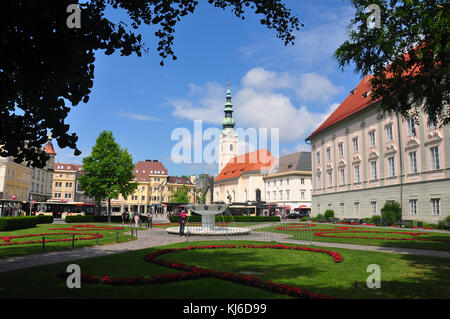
(49, 148)
(68, 167)
(358, 100)
(143, 169)
(254, 161)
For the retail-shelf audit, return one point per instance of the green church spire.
(228, 122)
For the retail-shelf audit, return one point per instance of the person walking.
(150, 220)
(182, 222)
(136, 219)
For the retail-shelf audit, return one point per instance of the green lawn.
(109, 236)
(402, 276)
(434, 245)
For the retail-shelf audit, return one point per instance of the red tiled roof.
(355, 102)
(178, 180)
(49, 148)
(358, 100)
(143, 169)
(67, 167)
(254, 161)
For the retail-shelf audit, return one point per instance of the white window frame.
(413, 207)
(356, 174)
(412, 162)
(341, 149)
(355, 144)
(435, 158)
(436, 206)
(389, 133)
(373, 207)
(374, 170)
(330, 178)
(328, 154)
(372, 139)
(391, 166)
(342, 176)
(410, 126)
(356, 208)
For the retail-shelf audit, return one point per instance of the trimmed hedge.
(240, 218)
(97, 219)
(12, 223)
(41, 219)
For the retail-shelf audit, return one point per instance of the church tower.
(228, 138)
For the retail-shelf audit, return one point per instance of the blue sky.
(291, 88)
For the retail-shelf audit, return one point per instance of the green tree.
(180, 195)
(108, 171)
(408, 55)
(45, 65)
(391, 212)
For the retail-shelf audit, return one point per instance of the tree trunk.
(109, 210)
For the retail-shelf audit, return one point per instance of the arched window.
(231, 147)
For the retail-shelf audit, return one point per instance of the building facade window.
(302, 181)
(435, 160)
(391, 166)
(355, 145)
(435, 206)
(330, 178)
(412, 162)
(318, 181)
(413, 207)
(432, 124)
(374, 170)
(356, 176)
(373, 207)
(356, 208)
(389, 133)
(342, 176)
(342, 208)
(372, 140)
(341, 149)
(410, 126)
(328, 154)
(318, 157)
(302, 194)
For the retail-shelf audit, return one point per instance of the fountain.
(208, 227)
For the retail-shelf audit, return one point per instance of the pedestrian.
(149, 220)
(136, 219)
(182, 222)
(124, 217)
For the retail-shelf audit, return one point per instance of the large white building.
(362, 157)
(289, 182)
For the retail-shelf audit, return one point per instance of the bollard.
(73, 240)
(131, 233)
(136, 232)
(43, 244)
(96, 240)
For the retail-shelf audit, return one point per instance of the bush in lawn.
(376, 220)
(304, 219)
(391, 213)
(12, 223)
(98, 219)
(444, 224)
(329, 213)
(41, 219)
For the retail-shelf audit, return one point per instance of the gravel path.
(159, 237)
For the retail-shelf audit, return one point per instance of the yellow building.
(14, 179)
(151, 176)
(174, 183)
(65, 181)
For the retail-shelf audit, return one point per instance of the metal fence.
(269, 232)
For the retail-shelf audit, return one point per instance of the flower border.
(193, 272)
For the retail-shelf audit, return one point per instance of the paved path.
(159, 237)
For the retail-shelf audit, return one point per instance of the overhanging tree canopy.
(408, 55)
(46, 67)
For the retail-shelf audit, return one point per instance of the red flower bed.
(327, 233)
(7, 239)
(193, 272)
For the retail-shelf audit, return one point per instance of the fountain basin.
(208, 226)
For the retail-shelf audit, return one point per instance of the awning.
(288, 207)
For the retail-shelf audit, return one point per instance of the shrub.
(97, 219)
(329, 213)
(443, 224)
(391, 213)
(304, 219)
(376, 220)
(12, 223)
(41, 219)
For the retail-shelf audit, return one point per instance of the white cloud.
(137, 116)
(263, 101)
